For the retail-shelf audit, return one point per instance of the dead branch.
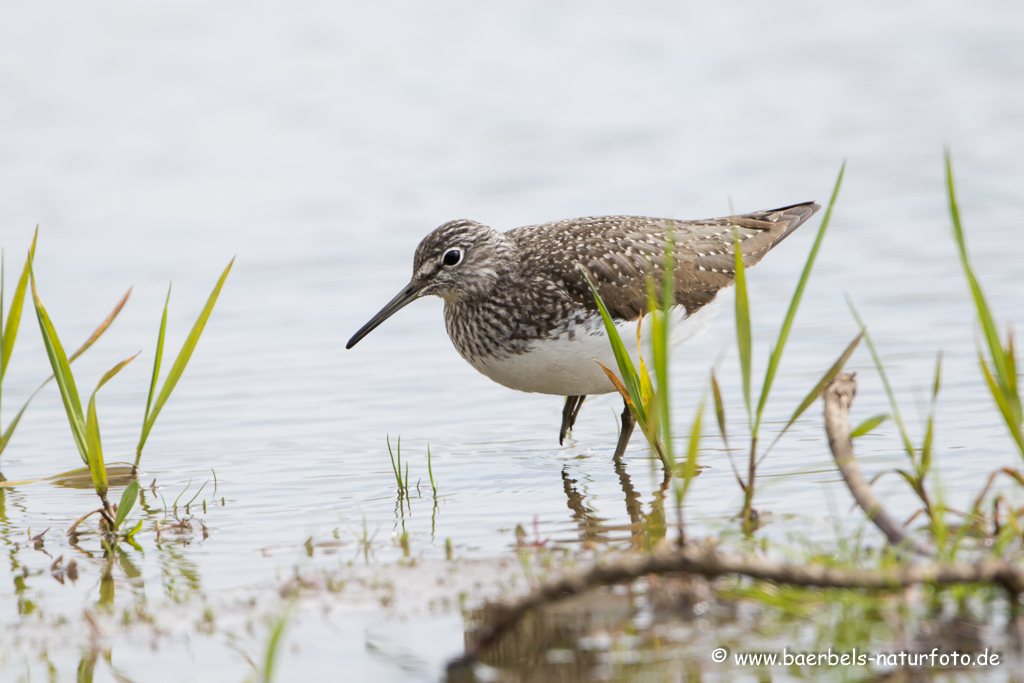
(838, 399)
(709, 563)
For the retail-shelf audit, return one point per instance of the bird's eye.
(452, 257)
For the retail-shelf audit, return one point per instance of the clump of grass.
(85, 424)
(187, 505)
(401, 478)
(649, 406)
(846, 594)
(97, 333)
(9, 333)
(1000, 374)
(403, 487)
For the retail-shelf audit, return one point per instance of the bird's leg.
(628, 422)
(569, 413)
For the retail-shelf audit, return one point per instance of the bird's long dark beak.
(406, 296)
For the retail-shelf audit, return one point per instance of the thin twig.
(838, 398)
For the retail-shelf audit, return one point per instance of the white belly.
(569, 367)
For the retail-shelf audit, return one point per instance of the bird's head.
(459, 261)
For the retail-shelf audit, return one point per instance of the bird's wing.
(619, 252)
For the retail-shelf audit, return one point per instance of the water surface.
(319, 144)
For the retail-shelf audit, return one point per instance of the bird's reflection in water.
(573, 639)
(644, 529)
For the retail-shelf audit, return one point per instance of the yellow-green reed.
(1000, 367)
(632, 385)
(744, 343)
(396, 468)
(650, 407)
(920, 458)
(178, 367)
(9, 331)
(84, 426)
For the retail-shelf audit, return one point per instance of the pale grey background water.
(320, 141)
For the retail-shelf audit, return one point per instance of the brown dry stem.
(838, 399)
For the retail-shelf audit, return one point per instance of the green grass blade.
(743, 335)
(690, 465)
(988, 326)
(981, 304)
(654, 402)
(719, 408)
(6, 436)
(661, 346)
(128, 536)
(645, 383)
(128, 498)
(103, 326)
(929, 433)
(794, 302)
(94, 451)
(62, 373)
(1002, 402)
(630, 377)
(3, 356)
(814, 393)
(273, 645)
(913, 483)
(180, 362)
(868, 425)
(1005, 375)
(430, 471)
(1011, 360)
(908, 445)
(619, 386)
(113, 371)
(3, 353)
(198, 491)
(394, 468)
(10, 330)
(159, 356)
